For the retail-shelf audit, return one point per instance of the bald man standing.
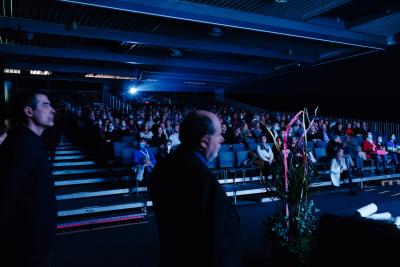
(197, 223)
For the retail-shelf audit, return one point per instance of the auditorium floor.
(136, 245)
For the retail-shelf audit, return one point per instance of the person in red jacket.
(370, 147)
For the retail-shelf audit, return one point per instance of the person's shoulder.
(19, 141)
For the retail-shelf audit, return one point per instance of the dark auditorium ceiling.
(207, 43)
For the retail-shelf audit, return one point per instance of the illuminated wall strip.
(12, 71)
(40, 72)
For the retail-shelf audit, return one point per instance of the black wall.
(2, 99)
(364, 87)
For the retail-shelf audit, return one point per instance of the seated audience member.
(146, 134)
(175, 136)
(332, 144)
(101, 129)
(245, 130)
(277, 148)
(159, 138)
(150, 122)
(358, 131)
(276, 129)
(364, 129)
(252, 161)
(111, 135)
(353, 149)
(131, 122)
(340, 170)
(349, 131)
(381, 147)
(338, 129)
(324, 134)
(330, 150)
(224, 132)
(380, 144)
(370, 147)
(237, 137)
(143, 161)
(264, 152)
(394, 149)
(165, 150)
(257, 131)
(313, 135)
(297, 129)
(124, 130)
(295, 156)
(168, 128)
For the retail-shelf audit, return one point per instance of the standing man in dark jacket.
(197, 223)
(27, 198)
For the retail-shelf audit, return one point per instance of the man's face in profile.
(43, 114)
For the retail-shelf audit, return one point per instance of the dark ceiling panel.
(384, 26)
(293, 9)
(259, 36)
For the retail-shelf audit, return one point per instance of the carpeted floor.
(137, 245)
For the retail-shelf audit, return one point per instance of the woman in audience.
(339, 169)
(244, 129)
(264, 152)
(159, 138)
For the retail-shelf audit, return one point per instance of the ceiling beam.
(222, 65)
(243, 20)
(81, 69)
(35, 26)
(159, 75)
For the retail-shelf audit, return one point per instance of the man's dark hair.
(193, 127)
(336, 149)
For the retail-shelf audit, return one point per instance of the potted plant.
(290, 232)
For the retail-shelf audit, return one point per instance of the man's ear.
(28, 112)
(204, 141)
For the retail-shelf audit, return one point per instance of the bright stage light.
(133, 90)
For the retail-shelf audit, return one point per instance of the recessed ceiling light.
(216, 32)
(176, 52)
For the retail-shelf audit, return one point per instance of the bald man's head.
(201, 130)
